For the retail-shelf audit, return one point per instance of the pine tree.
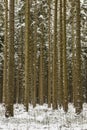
(10, 86)
(41, 72)
(60, 87)
(21, 68)
(78, 60)
(27, 43)
(49, 62)
(42, 80)
(35, 55)
(54, 89)
(5, 52)
(73, 52)
(65, 84)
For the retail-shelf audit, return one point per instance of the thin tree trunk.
(27, 40)
(65, 85)
(73, 52)
(35, 55)
(5, 52)
(49, 63)
(60, 87)
(41, 73)
(78, 61)
(55, 59)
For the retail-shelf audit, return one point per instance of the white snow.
(43, 118)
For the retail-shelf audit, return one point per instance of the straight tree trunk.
(65, 85)
(41, 73)
(73, 52)
(49, 62)
(35, 55)
(5, 52)
(27, 40)
(60, 87)
(54, 89)
(78, 60)
(10, 87)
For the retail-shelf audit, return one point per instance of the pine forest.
(43, 64)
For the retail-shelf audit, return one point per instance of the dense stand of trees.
(43, 56)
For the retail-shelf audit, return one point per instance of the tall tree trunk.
(78, 61)
(49, 61)
(27, 40)
(65, 84)
(60, 87)
(21, 68)
(73, 52)
(54, 89)
(41, 73)
(5, 52)
(35, 55)
(10, 87)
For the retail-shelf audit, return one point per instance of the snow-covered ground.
(43, 118)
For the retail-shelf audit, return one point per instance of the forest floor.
(43, 118)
